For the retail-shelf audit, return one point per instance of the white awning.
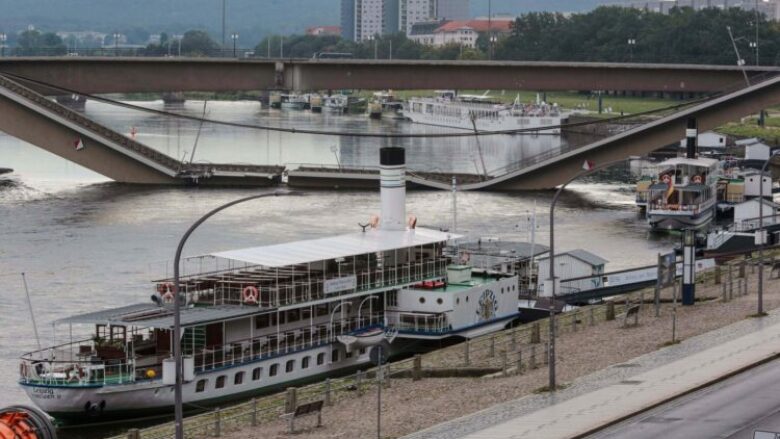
(313, 250)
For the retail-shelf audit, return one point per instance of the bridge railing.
(90, 125)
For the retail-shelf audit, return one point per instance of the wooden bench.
(304, 410)
(631, 311)
(775, 270)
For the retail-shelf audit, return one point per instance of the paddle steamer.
(273, 316)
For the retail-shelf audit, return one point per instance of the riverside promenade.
(614, 394)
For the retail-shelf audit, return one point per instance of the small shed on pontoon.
(578, 264)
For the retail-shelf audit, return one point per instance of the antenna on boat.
(32, 314)
(364, 226)
(454, 204)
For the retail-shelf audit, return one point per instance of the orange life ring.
(168, 296)
(666, 179)
(250, 295)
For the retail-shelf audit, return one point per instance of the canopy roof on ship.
(150, 315)
(334, 247)
(677, 161)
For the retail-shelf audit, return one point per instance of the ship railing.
(77, 372)
(305, 290)
(271, 345)
(751, 224)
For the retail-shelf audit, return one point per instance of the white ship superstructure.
(477, 112)
(271, 317)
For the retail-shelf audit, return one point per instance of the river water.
(86, 243)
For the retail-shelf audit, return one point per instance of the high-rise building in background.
(414, 11)
(362, 19)
(452, 9)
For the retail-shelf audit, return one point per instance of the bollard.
(717, 274)
(254, 412)
(513, 340)
(359, 380)
(546, 359)
(492, 352)
(519, 362)
(742, 269)
(504, 363)
(532, 360)
(290, 400)
(592, 316)
(417, 368)
(535, 333)
(610, 311)
(723, 293)
(217, 423)
(328, 401)
(466, 354)
(133, 433)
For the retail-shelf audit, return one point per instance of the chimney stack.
(691, 137)
(392, 166)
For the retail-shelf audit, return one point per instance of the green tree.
(198, 43)
(32, 42)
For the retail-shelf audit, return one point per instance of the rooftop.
(516, 249)
(322, 249)
(582, 255)
(501, 26)
(150, 315)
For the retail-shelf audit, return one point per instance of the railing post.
(504, 362)
(535, 333)
(254, 412)
(513, 340)
(492, 346)
(717, 274)
(532, 359)
(290, 400)
(417, 368)
(519, 362)
(217, 422)
(328, 401)
(610, 311)
(359, 382)
(592, 315)
(466, 353)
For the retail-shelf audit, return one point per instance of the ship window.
(422, 299)
(238, 378)
(322, 310)
(220, 382)
(320, 358)
(502, 290)
(256, 373)
(200, 386)
(334, 356)
(289, 366)
(305, 362)
(457, 301)
(362, 351)
(439, 301)
(348, 355)
(262, 321)
(467, 298)
(274, 370)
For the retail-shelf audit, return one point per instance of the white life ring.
(666, 179)
(251, 295)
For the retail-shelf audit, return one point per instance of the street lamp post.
(178, 405)
(178, 39)
(234, 37)
(588, 169)
(116, 43)
(3, 39)
(631, 44)
(761, 233)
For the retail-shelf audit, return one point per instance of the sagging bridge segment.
(94, 75)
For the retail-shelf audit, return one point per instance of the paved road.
(733, 409)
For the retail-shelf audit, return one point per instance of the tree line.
(606, 34)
